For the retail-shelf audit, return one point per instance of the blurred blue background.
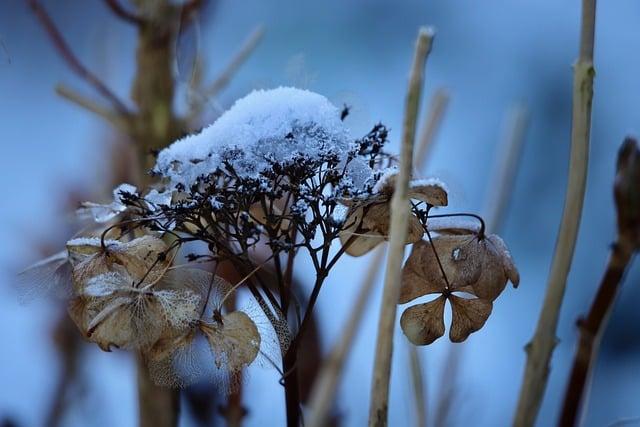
(489, 55)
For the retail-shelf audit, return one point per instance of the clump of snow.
(267, 125)
(383, 181)
(428, 182)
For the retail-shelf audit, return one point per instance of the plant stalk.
(378, 409)
(541, 347)
(591, 329)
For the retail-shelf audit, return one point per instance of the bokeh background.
(489, 55)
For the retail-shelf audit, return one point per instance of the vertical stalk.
(378, 410)
(541, 347)
(155, 126)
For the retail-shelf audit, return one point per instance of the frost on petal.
(155, 199)
(424, 323)
(48, 277)
(235, 341)
(508, 264)
(468, 316)
(454, 225)
(431, 191)
(102, 213)
(140, 258)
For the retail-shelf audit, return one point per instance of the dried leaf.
(468, 316)
(424, 323)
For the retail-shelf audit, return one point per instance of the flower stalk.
(378, 410)
(540, 349)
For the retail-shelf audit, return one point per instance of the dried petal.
(51, 276)
(422, 274)
(497, 268)
(235, 341)
(368, 225)
(429, 191)
(416, 274)
(140, 258)
(468, 316)
(424, 323)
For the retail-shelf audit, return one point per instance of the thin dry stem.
(378, 410)
(326, 385)
(541, 347)
(432, 122)
(508, 153)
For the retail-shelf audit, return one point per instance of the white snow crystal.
(104, 213)
(277, 124)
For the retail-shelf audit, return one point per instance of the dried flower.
(475, 265)
(367, 221)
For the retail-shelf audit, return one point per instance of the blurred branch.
(63, 48)
(378, 410)
(627, 197)
(508, 154)
(432, 122)
(418, 386)
(117, 120)
(124, 14)
(541, 347)
(230, 70)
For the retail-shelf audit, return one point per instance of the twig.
(432, 123)
(124, 14)
(540, 348)
(591, 329)
(418, 386)
(117, 120)
(75, 64)
(326, 385)
(508, 154)
(626, 191)
(398, 232)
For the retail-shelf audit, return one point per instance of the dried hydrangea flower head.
(475, 266)
(368, 220)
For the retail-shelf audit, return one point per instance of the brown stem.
(123, 13)
(591, 329)
(158, 407)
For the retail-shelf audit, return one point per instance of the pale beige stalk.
(541, 347)
(325, 387)
(398, 231)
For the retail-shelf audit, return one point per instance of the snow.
(387, 174)
(104, 213)
(277, 124)
(428, 182)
